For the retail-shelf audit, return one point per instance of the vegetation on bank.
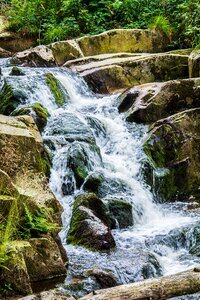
(52, 20)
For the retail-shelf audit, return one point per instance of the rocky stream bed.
(105, 136)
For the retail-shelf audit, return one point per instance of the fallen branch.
(152, 289)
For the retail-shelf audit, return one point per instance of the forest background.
(53, 20)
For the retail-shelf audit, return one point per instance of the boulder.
(123, 40)
(90, 224)
(104, 278)
(194, 64)
(173, 149)
(116, 74)
(150, 102)
(30, 261)
(93, 182)
(10, 98)
(65, 50)
(16, 71)
(30, 214)
(37, 111)
(121, 213)
(40, 56)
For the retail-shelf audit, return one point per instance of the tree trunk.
(152, 289)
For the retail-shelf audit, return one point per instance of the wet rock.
(116, 74)
(40, 56)
(172, 146)
(105, 279)
(93, 182)
(16, 71)
(10, 98)
(154, 101)
(55, 88)
(127, 99)
(113, 187)
(37, 111)
(151, 268)
(194, 64)
(121, 213)
(71, 127)
(194, 241)
(90, 224)
(122, 40)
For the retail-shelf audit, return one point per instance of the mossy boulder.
(173, 149)
(65, 50)
(194, 64)
(90, 224)
(37, 111)
(31, 261)
(40, 56)
(120, 213)
(150, 102)
(55, 88)
(28, 207)
(123, 40)
(16, 71)
(10, 98)
(80, 162)
(93, 182)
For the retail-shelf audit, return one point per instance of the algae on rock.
(173, 147)
(90, 224)
(55, 88)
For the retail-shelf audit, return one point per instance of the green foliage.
(36, 223)
(61, 19)
(162, 24)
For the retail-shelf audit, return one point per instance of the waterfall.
(157, 243)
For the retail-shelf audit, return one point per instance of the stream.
(162, 234)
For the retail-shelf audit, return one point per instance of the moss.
(40, 111)
(8, 100)
(54, 86)
(16, 71)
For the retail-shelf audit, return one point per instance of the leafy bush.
(61, 19)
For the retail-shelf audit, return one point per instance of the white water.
(157, 228)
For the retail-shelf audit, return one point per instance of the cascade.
(158, 241)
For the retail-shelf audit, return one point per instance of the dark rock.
(10, 98)
(16, 71)
(173, 147)
(105, 279)
(121, 213)
(93, 182)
